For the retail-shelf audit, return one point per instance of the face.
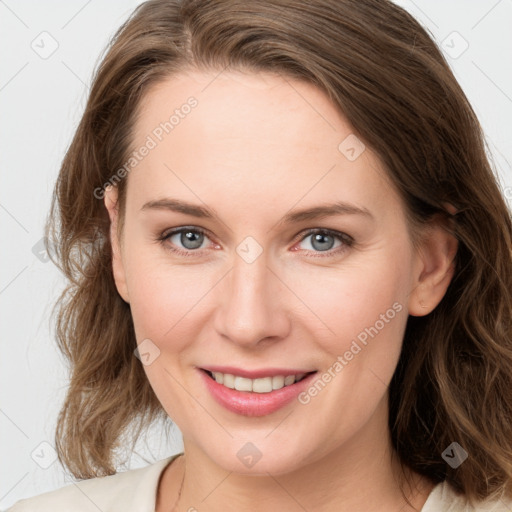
(239, 283)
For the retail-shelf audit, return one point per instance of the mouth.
(264, 394)
(258, 385)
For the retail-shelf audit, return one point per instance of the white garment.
(135, 491)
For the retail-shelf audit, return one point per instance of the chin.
(257, 458)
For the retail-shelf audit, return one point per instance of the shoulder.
(444, 498)
(133, 490)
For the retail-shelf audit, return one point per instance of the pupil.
(321, 239)
(191, 240)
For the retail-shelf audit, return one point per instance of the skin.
(254, 148)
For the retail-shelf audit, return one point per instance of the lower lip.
(248, 403)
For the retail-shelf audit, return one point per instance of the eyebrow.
(316, 212)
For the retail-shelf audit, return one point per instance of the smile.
(257, 393)
(260, 385)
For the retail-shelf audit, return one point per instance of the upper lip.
(255, 374)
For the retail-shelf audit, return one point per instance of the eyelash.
(347, 240)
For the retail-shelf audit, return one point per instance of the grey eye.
(188, 238)
(321, 241)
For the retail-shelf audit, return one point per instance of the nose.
(251, 309)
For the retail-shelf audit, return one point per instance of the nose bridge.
(250, 307)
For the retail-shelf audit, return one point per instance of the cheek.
(166, 306)
(164, 298)
(362, 314)
(368, 318)
(359, 326)
(353, 301)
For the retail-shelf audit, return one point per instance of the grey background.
(41, 99)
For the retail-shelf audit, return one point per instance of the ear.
(115, 242)
(434, 267)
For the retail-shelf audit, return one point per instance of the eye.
(190, 238)
(324, 240)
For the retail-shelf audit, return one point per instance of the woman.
(222, 145)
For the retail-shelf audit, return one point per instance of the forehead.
(254, 133)
(250, 103)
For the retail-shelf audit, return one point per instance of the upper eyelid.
(310, 231)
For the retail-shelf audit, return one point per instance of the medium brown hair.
(453, 382)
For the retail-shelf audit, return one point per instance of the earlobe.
(110, 200)
(434, 270)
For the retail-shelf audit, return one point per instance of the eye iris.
(320, 238)
(191, 237)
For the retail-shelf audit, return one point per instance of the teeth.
(228, 380)
(289, 379)
(261, 385)
(277, 382)
(243, 384)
